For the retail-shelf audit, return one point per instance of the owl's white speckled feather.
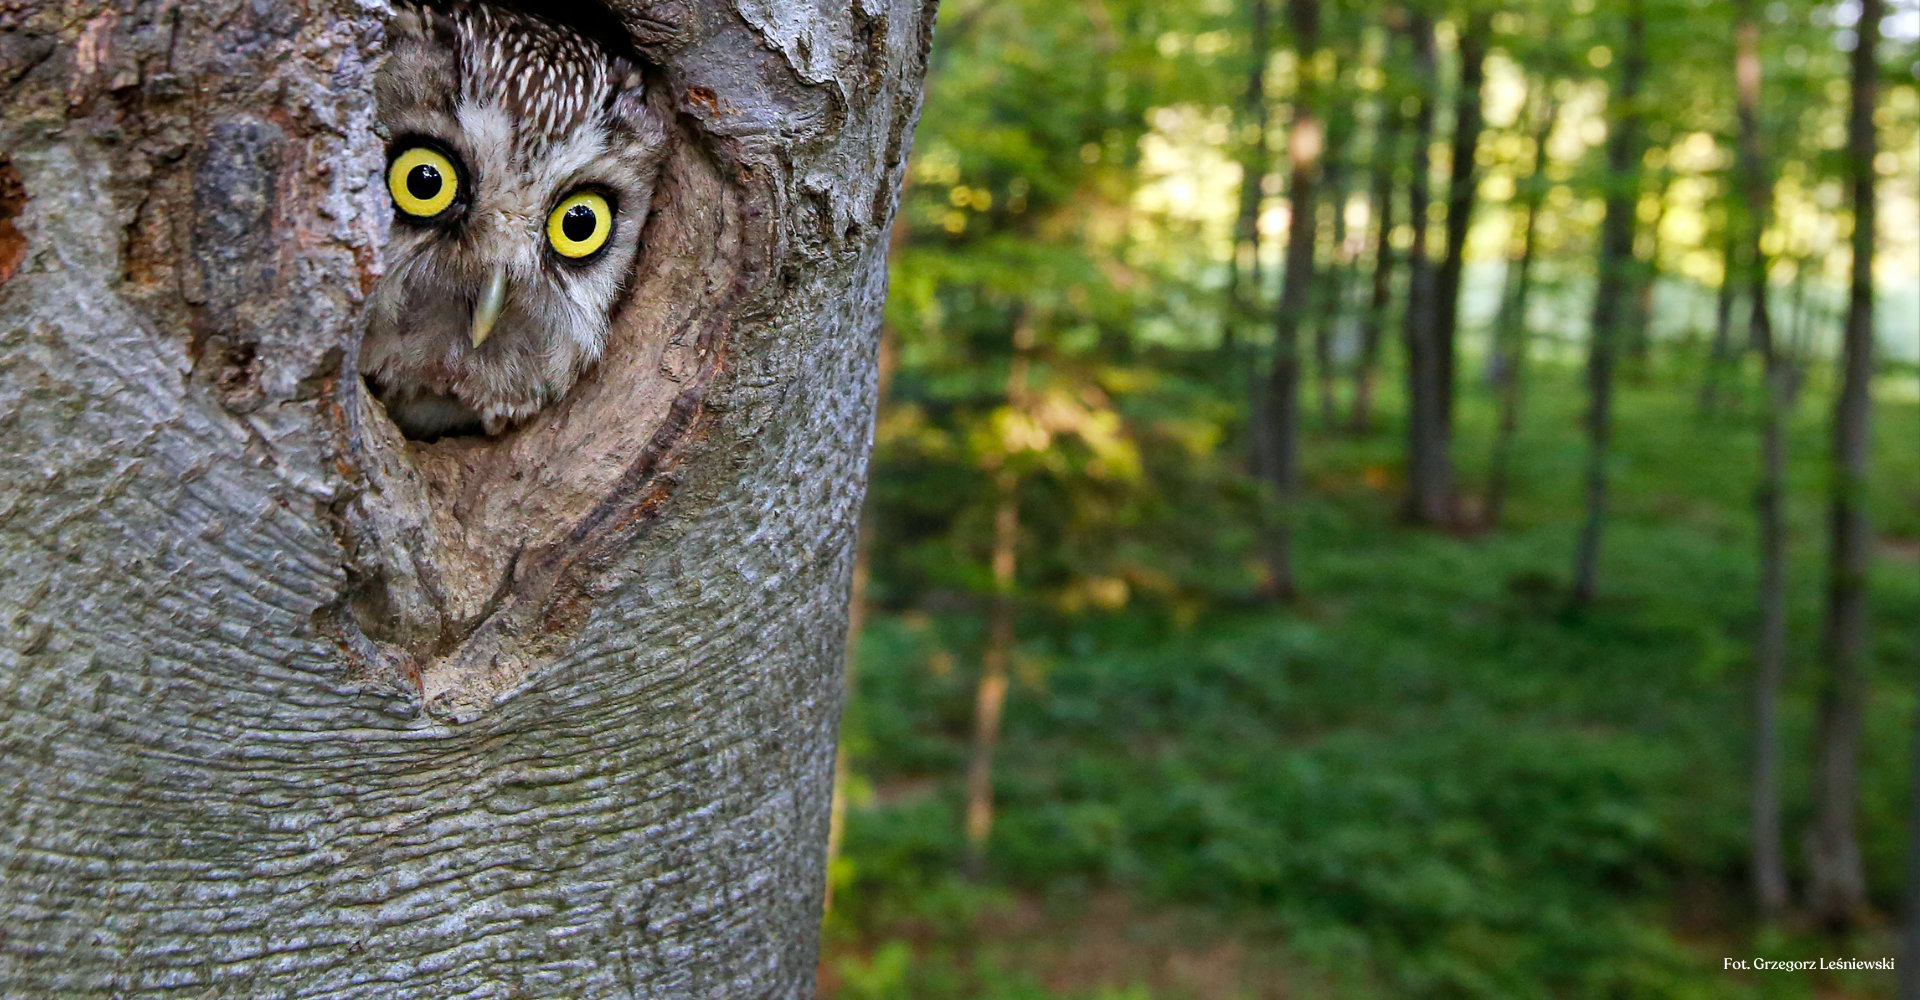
(530, 112)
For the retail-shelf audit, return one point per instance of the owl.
(521, 161)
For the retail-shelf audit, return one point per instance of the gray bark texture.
(293, 707)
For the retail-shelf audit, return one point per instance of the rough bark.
(1463, 187)
(297, 708)
(1616, 259)
(1305, 140)
(1838, 893)
(1511, 332)
(1430, 493)
(857, 602)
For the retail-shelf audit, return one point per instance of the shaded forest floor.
(1427, 779)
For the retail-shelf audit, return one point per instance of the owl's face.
(521, 163)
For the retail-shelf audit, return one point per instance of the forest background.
(1341, 527)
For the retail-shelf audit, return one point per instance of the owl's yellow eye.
(423, 182)
(580, 225)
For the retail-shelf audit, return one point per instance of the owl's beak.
(486, 312)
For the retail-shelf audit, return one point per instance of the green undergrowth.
(1429, 778)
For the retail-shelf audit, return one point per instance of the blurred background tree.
(1400, 311)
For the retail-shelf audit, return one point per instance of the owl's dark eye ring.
(424, 180)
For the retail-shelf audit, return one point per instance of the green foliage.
(1431, 769)
(1428, 779)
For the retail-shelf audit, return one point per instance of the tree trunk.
(990, 698)
(1386, 152)
(1332, 286)
(298, 708)
(1463, 185)
(1646, 281)
(1243, 266)
(1721, 353)
(1511, 327)
(1839, 892)
(1330, 310)
(1770, 652)
(1429, 464)
(1616, 259)
(1305, 138)
(1799, 341)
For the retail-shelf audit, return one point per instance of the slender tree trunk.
(1243, 267)
(1616, 260)
(1770, 653)
(1801, 320)
(1722, 352)
(1260, 430)
(1463, 187)
(1838, 895)
(1386, 153)
(1511, 328)
(1799, 341)
(1769, 859)
(990, 698)
(1646, 281)
(1304, 145)
(297, 708)
(1329, 313)
(1429, 465)
(1333, 288)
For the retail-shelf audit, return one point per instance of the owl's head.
(521, 161)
